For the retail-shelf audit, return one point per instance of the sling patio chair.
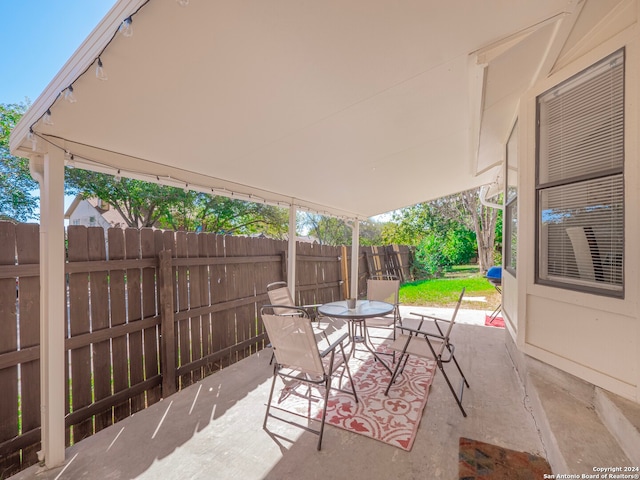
(279, 294)
(280, 297)
(415, 339)
(299, 358)
(384, 289)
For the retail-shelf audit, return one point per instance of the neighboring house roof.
(109, 214)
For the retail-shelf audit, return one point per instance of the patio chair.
(299, 358)
(384, 289)
(279, 294)
(414, 339)
(280, 299)
(587, 253)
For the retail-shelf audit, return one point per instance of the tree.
(141, 204)
(144, 204)
(335, 231)
(328, 230)
(17, 201)
(446, 228)
(484, 220)
(407, 226)
(202, 212)
(371, 233)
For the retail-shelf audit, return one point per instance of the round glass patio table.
(364, 309)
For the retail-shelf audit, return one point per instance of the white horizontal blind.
(582, 227)
(580, 180)
(582, 123)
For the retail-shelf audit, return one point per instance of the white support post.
(52, 304)
(291, 264)
(355, 252)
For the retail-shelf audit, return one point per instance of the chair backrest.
(586, 252)
(279, 294)
(455, 313)
(383, 290)
(294, 343)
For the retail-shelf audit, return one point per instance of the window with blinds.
(580, 181)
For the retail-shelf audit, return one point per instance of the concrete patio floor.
(213, 429)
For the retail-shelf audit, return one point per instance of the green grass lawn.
(444, 292)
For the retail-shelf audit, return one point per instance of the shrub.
(436, 254)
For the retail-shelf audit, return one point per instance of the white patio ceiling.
(352, 108)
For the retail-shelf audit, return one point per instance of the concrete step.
(622, 418)
(576, 439)
(573, 422)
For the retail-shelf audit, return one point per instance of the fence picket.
(203, 251)
(195, 322)
(224, 320)
(118, 317)
(134, 314)
(99, 290)
(150, 246)
(8, 343)
(28, 252)
(79, 323)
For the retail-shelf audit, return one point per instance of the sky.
(38, 37)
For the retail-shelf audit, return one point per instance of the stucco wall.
(593, 337)
(510, 300)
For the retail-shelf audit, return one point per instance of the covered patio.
(350, 110)
(213, 429)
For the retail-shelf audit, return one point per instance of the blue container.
(494, 274)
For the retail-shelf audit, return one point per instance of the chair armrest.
(331, 347)
(292, 311)
(420, 332)
(430, 317)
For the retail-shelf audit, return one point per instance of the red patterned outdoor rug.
(392, 419)
(483, 461)
(497, 321)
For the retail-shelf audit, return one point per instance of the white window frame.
(510, 218)
(580, 184)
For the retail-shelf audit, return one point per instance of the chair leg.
(495, 313)
(273, 384)
(395, 373)
(346, 367)
(460, 370)
(324, 409)
(453, 392)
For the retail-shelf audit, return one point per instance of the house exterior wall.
(83, 215)
(593, 337)
(510, 301)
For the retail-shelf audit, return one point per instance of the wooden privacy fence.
(148, 313)
(393, 260)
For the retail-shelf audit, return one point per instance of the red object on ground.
(392, 419)
(497, 321)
